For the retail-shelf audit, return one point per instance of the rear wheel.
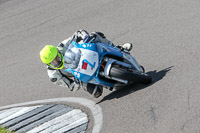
(135, 77)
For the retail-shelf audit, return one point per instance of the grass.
(4, 130)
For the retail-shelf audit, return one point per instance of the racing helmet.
(50, 56)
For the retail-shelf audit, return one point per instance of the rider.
(53, 58)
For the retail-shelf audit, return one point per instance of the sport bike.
(103, 65)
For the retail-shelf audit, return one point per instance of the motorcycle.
(103, 65)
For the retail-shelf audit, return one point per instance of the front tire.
(134, 77)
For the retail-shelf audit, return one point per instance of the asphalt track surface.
(166, 41)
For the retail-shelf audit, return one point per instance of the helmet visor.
(57, 62)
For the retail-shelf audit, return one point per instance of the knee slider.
(53, 79)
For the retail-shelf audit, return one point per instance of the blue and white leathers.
(88, 59)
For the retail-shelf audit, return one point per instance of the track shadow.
(120, 92)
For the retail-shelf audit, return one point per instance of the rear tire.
(134, 77)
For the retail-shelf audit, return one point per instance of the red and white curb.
(46, 117)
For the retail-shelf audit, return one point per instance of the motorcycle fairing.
(92, 54)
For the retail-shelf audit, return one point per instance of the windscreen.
(72, 57)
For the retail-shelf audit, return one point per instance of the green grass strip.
(4, 130)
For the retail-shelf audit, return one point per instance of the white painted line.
(65, 120)
(9, 112)
(52, 124)
(95, 109)
(18, 113)
(2, 111)
(72, 125)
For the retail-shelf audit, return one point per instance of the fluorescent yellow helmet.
(51, 56)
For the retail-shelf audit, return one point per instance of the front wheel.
(134, 77)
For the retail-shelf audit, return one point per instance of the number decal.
(89, 63)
